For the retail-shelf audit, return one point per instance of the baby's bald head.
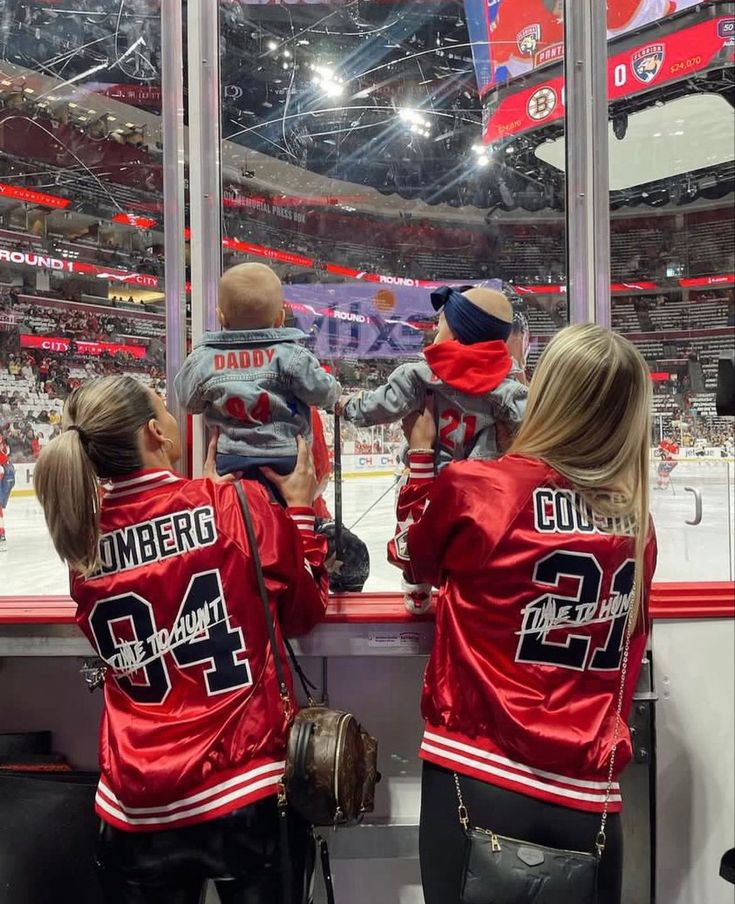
(250, 298)
(491, 301)
(488, 300)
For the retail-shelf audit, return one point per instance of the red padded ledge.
(715, 599)
(668, 601)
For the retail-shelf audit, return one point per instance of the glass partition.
(370, 153)
(672, 177)
(373, 152)
(81, 234)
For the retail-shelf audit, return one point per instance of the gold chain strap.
(601, 840)
(464, 816)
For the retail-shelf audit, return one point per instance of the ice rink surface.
(686, 552)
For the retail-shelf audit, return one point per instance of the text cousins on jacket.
(560, 511)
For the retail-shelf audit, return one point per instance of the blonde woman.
(193, 735)
(543, 559)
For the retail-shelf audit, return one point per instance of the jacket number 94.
(142, 654)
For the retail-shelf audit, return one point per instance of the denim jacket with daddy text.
(257, 386)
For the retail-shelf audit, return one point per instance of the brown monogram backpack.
(331, 761)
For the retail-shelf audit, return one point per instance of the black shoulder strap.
(338, 522)
(280, 672)
(250, 530)
(326, 870)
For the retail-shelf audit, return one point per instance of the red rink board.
(691, 600)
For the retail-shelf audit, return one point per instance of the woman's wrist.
(298, 501)
(420, 451)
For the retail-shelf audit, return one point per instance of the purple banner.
(358, 320)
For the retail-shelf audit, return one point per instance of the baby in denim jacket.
(252, 379)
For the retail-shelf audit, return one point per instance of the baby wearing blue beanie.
(471, 378)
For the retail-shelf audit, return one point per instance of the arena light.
(326, 80)
(482, 154)
(416, 122)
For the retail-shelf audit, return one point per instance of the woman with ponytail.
(193, 734)
(544, 561)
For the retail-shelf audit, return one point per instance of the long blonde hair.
(99, 440)
(589, 417)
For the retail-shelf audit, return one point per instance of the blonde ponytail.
(66, 485)
(99, 440)
(589, 417)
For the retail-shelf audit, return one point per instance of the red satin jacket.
(193, 725)
(534, 595)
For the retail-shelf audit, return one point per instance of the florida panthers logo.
(647, 62)
(528, 39)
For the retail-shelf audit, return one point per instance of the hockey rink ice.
(686, 552)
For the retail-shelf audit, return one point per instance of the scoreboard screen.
(659, 59)
(513, 37)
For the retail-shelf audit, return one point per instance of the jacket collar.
(474, 369)
(251, 337)
(139, 482)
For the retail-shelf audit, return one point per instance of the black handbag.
(501, 870)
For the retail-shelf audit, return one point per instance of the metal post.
(204, 176)
(172, 90)
(588, 213)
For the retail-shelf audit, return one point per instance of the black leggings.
(241, 850)
(442, 841)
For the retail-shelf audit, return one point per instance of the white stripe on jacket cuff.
(304, 518)
(421, 465)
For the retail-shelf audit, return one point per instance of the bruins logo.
(542, 103)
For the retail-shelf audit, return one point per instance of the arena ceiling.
(368, 106)
(684, 136)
